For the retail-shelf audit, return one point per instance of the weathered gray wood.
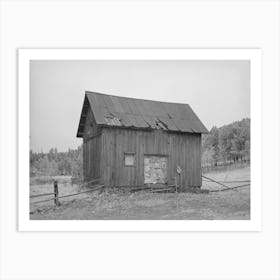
(104, 150)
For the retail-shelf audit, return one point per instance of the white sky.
(218, 92)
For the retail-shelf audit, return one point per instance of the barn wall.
(91, 148)
(181, 149)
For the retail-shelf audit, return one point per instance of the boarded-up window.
(155, 169)
(129, 159)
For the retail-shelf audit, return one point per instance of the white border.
(24, 57)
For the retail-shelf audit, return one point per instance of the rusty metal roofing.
(116, 111)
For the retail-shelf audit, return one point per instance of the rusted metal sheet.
(100, 100)
(126, 122)
(109, 104)
(128, 105)
(117, 104)
(112, 120)
(170, 123)
(141, 114)
(99, 115)
(140, 122)
(142, 108)
(151, 121)
(134, 106)
(183, 125)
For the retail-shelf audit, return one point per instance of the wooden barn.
(134, 142)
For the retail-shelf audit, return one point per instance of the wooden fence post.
(176, 185)
(179, 171)
(56, 201)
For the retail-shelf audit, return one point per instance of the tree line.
(56, 163)
(227, 144)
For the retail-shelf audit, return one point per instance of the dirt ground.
(123, 205)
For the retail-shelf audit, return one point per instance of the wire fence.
(226, 187)
(97, 185)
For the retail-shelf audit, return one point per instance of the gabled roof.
(116, 111)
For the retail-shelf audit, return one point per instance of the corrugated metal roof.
(116, 111)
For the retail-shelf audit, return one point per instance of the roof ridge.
(176, 103)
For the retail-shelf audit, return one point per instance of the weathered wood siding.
(91, 148)
(183, 149)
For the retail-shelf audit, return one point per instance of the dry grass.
(112, 205)
(65, 188)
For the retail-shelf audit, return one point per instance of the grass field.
(65, 188)
(123, 205)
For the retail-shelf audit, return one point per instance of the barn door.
(155, 169)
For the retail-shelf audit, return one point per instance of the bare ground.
(122, 205)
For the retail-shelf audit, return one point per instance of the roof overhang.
(83, 117)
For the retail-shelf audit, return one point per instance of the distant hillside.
(229, 143)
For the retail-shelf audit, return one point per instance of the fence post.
(179, 171)
(56, 201)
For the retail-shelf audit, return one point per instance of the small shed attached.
(134, 142)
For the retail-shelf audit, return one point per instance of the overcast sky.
(218, 92)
